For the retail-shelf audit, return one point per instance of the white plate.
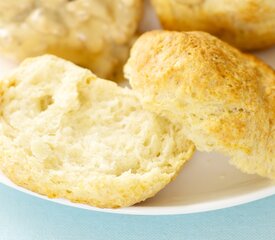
(207, 182)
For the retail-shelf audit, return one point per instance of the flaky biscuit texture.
(67, 134)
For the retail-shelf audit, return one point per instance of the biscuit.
(95, 34)
(67, 134)
(224, 99)
(246, 24)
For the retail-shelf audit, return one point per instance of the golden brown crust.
(223, 98)
(246, 24)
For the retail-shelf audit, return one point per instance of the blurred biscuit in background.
(246, 24)
(92, 33)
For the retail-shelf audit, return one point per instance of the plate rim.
(158, 210)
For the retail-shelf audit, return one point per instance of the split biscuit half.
(65, 133)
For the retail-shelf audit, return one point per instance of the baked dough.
(224, 99)
(92, 33)
(67, 134)
(246, 24)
